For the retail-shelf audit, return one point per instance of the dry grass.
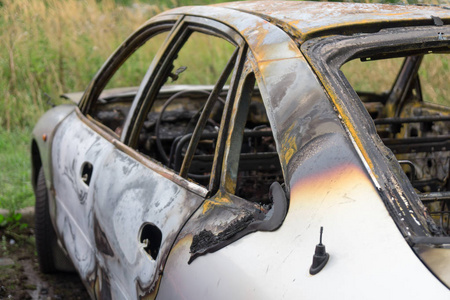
(56, 46)
(379, 75)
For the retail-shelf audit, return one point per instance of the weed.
(15, 185)
(12, 221)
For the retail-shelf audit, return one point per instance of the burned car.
(258, 133)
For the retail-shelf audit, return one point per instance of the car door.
(86, 135)
(149, 184)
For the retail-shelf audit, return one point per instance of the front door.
(149, 184)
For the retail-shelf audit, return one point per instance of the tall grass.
(56, 46)
(379, 75)
(15, 184)
(49, 47)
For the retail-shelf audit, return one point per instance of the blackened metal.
(206, 241)
(245, 218)
(101, 240)
(418, 119)
(436, 196)
(412, 174)
(163, 154)
(437, 21)
(226, 117)
(416, 145)
(115, 61)
(402, 85)
(433, 240)
(326, 58)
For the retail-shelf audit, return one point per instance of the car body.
(217, 187)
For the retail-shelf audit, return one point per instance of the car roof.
(303, 19)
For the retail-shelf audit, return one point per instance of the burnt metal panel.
(124, 207)
(303, 19)
(326, 56)
(101, 223)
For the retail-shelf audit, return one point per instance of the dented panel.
(103, 225)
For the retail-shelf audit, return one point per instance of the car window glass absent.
(259, 163)
(202, 67)
(113, 105)
(434, 72)
(411, 120)
(373, 76)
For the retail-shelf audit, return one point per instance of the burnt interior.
(418, 133)
(167, 131)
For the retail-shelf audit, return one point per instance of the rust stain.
(302, 20)
(230, 184)
(217, 201)
(290, 145)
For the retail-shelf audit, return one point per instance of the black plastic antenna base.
(320, 257)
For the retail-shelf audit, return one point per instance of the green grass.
(379, 75)
(15, 185)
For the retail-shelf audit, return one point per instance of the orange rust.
(289, 146)
(230, 184)
(219, 200)
(44, 137)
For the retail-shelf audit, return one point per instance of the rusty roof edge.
(343, 28)
(293, 32)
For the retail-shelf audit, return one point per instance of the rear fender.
(42, 137)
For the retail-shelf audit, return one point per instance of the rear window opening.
(408, 99)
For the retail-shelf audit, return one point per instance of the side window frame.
(120, 56)
(235, 154)
(175, 42)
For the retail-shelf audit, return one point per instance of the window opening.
(190, 103)
(258, 163)
(419, 131)
(114, 103)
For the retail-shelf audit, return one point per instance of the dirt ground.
(19, 271)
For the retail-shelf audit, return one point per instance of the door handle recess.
(86, 172)
(150, 237)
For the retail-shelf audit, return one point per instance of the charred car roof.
(304, 20)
